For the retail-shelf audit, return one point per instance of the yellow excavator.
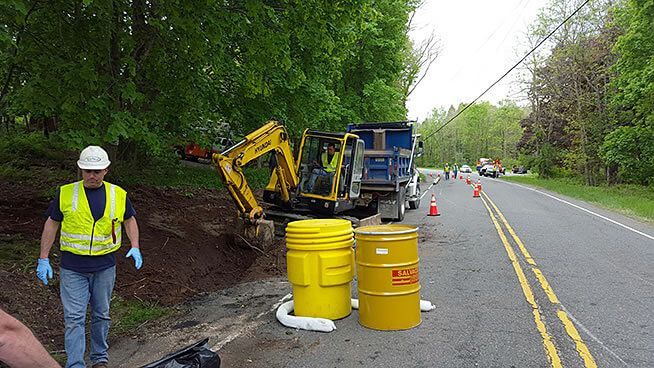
(325, 177)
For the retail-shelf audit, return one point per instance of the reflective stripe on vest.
(80, 233)
(329, 166)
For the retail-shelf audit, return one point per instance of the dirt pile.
(187, 242)
(188, 246)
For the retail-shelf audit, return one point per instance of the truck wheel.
(180, 152)
(401, 208)
(415, 204)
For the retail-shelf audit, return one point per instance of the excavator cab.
(325, 177)
(330, 168)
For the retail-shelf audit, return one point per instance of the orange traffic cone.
(468, 180)
(460, 176)
(479, 184)
(475, 191)
(433, 209)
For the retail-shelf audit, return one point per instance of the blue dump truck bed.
(387, 158)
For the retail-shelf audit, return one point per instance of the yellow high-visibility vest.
(80, 234)
(330, 166)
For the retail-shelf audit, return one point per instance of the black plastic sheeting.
(196, 355)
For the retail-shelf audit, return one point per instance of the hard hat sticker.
(406, 276)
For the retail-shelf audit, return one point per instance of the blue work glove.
(136, 254)
(44, 270)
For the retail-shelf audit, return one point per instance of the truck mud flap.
(368, 221)
(388, 207)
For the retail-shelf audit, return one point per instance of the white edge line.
(572, 317)
(426, 191)
(581, 208)
(590, 334)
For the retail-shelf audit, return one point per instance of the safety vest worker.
(92, 213)
(80, 233)
(329, 165)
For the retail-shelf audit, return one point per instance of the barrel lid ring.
(364, 231)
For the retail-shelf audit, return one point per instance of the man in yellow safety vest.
(328, 165)
(92, 213)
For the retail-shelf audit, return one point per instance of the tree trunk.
(612, 175)
(115, 55)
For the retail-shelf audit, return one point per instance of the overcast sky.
(480, 40)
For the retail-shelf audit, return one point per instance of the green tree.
(568, 87)
(483, 130)
(629, 147)
(139, 75)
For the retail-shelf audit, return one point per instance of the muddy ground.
(187, 240)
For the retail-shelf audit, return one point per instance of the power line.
(510, 70)
(499, 26)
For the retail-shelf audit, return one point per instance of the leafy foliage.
(484, 130)
(631, 146)
(632, 149)
(140, 75)
(170, 173)
(569, 91)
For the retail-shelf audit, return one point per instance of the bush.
(631, 148)
(171, 172)
(24, 150)
(544, 161)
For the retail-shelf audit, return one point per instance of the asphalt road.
(570, 289)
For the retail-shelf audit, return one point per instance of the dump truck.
(390, 179)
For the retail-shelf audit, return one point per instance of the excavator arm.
(270, 137)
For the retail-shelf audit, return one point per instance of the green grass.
(170, 174)
(128, 315)
(34, 157)
(165, 174)
(59, 357)
(18, 253)
(20, 148)
(632, 200)
(10, 172)
(174, 174)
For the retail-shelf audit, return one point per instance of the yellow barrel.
(387, 271)
(320, 265)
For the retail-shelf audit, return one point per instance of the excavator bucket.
(260, 231)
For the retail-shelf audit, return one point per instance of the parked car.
(481, 162)
(519, 170)
(482, 167)
(466, 169)
(490, 170)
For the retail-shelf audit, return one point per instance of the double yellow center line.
(548, 340)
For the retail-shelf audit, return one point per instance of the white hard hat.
(93, 158)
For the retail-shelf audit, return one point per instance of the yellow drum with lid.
(320, 265)
(387, 271)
